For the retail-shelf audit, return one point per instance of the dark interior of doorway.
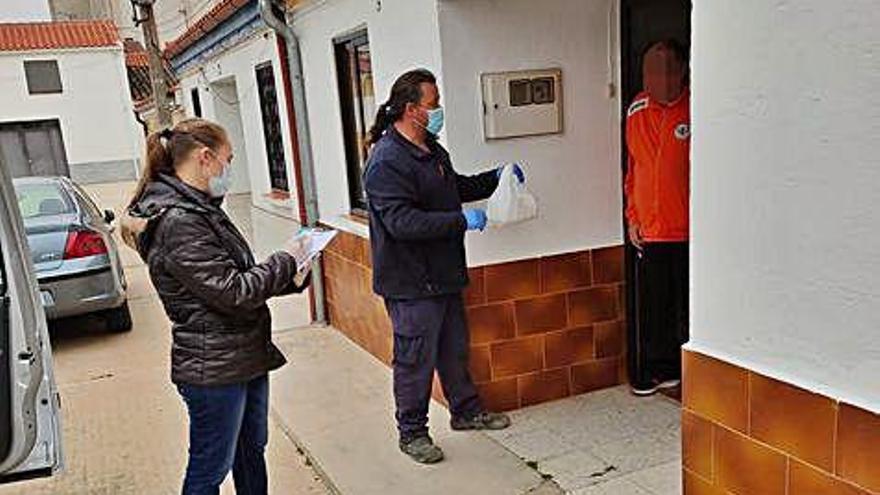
(643, 22)
(34, 148)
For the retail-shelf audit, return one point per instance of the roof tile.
(57, 35)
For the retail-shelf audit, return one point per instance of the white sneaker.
(667, 384)
(644, 390)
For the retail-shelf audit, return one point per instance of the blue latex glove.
(476, 218)
(517, 171)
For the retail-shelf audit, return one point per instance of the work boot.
(422, 450)
(481, 421)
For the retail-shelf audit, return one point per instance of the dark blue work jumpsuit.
(417, 237)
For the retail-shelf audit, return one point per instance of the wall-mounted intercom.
(522, 103)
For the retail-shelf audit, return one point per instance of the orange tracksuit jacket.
(657, 182)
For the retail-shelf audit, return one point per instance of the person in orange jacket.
(657, 191)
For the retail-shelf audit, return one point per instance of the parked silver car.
(76, 257)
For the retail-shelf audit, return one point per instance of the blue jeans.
(228, 429)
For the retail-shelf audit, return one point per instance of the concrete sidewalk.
(334, 400)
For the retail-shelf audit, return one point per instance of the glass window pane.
(40, 200)
(42, 76)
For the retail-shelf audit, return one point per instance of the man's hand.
(635, 237)
(475, 218)
(517, 171)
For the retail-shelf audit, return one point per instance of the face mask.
(435, 121)
(219, 185)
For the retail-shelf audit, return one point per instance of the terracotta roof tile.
(57, 35)
(219, 13)
(135, 53)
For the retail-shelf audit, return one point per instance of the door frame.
(630, 85)
(35, 447)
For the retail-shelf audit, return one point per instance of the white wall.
(403, 35)
(575, 175)
(227, 112)
(174, 17)
(786, 238)
(240, 62)
(95, 107)
(24, 11)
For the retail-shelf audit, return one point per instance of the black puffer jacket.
(213, 291)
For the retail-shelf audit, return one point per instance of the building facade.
(782, 374)
(65, 100)
(229, 68)
(118, 11)
(547, 301)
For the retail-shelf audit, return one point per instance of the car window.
(42, 200)
(87, 202)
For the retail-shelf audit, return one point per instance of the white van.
(30, 426)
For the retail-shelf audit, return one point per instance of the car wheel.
(119, 319)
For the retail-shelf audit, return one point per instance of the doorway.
(34, 148)
(227, 113)
(643, 22)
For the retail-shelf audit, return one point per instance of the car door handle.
(26, 355)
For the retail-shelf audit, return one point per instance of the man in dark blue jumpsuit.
(417, 229)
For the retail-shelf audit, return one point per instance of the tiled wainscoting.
(746, 434)
(541, 329)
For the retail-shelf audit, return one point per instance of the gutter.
(304, 167)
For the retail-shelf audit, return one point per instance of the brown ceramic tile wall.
(352, 306)
(541, 329)
(744, 433)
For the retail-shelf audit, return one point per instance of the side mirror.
(109, 216)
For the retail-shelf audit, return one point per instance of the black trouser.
(429, 334)
(661, 299)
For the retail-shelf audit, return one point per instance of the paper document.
(317, 241)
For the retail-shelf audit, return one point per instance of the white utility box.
(522, 103)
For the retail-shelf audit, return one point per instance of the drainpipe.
(306, 166)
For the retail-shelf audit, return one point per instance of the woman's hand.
(298, 247)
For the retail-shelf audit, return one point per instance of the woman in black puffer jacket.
(215, 295)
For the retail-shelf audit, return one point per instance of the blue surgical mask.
(219, 185)
(435, 121)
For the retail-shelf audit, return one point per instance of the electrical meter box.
(523, 103)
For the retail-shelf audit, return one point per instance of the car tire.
(119, 319)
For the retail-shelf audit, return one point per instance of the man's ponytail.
(386, 116)
(406, 89)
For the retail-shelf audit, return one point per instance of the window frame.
(44, 90)
(354, 129)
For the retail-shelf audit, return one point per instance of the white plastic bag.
(511, 203)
